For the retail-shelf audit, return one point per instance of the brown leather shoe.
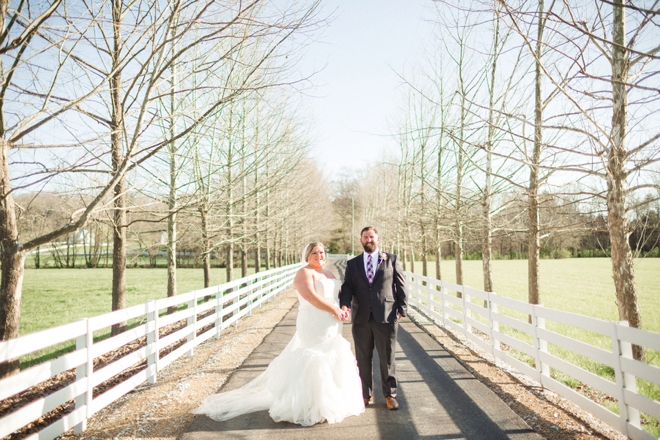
(369, 401)
(391, 403)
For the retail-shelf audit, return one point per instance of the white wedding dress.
(314, 379)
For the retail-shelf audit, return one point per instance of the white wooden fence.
(195, 312)
(480, 322)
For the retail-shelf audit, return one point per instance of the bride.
(315, 378)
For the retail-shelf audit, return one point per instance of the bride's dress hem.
(314, 380)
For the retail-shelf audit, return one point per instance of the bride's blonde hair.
(310, 248)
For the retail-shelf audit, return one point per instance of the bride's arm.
(304, 284)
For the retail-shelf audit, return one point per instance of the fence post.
(236, 311)
(467, 313)
(432, 288)
(152, 342)
(192, 321)
(157, 335)
(85, 371)
(624, 380)
(218, 311)
(540, 345)
(443, 293)
(494, 328)
(250, 292)
(260, 279)
(462, 298)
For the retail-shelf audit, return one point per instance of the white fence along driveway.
(155, 338)
(487, 320)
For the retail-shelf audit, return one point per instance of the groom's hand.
(347, 313)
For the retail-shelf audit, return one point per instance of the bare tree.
(26, 116)
(590, 41)
(106, 114)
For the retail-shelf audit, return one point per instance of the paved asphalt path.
(438, 398)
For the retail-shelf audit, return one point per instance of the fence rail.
(483, 323)
(157, 339)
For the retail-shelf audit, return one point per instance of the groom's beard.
(369, 247)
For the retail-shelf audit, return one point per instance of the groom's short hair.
(368, 228)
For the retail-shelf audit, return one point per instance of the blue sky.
(358, 92)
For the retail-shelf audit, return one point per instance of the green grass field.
(579, 285)
(52, 297)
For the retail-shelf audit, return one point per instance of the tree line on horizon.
(569, 234)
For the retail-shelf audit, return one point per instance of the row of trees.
(567, 232)
(144, 113)
(529, 118)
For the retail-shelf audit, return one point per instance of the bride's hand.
(339, 313)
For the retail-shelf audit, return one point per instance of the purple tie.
(370, 269)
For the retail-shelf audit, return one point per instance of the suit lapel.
(379, 267)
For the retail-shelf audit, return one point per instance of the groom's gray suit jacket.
(384, 297)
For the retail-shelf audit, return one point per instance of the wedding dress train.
(314, 379)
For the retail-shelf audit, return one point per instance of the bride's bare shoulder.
(303, 269)
(304, 273)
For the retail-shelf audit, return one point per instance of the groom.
(374, 290)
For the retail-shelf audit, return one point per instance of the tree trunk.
(425, 257)
(230, 262)
(533, 245)
(172, 204)
(534, 234)
(119, 250)
(460, 169)
(257, 247)
(438, 250)
(172, 227)
(117, 119)
(458, 246)
(622, 258)
(244, 262)
(438, 258)
(37, 257)
(13, 263)
(206, 246)
(487, 227)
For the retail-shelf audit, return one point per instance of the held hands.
(343, 314)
